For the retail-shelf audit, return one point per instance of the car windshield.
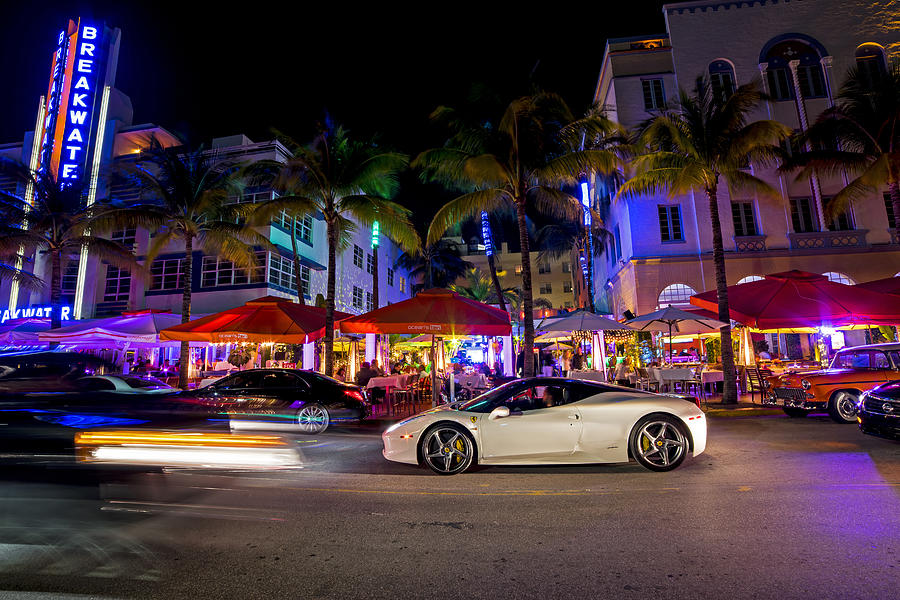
(479, 403)
(860, 359)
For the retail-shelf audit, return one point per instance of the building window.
(216, 272)
(889, 209)
(677, 293)
(721, 79)
(390, 277)
(568, 304)
(544, 268)
(546, 288)
(305, 229)
(566, 267)
(370, 301)
(802, 215)
(281, 271)
(251, 198)
(809, 72)
(357, 256)
(812, 81)
(518, 269)
(167, 274)
(654, 97)
(841, 222)
(618, 238)
(670, 223)
(357, 297)
(304, 280)
(370, 264)
(870, 64)
(69, 280)
(743, 218)
(118, 284)
(402, 285)
(124, 237)
(750, 278)
(780, 84)
(839, 278)
(567, 287)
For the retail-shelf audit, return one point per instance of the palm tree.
(349, 182)
(702, 142)
(55, 223)
(434, 265)
(189, 202)
(480, 288)
(522, 162)
(568, 238)
(860, 135)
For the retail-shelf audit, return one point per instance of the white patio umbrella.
(580, 320)
(675, 320)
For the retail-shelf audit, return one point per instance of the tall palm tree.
(859, 135)
(434, 265)
(56, 223)
(702, 142)
(522, 161)
(188, 199)
(567, 238)
(349, 182)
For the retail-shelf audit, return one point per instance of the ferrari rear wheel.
(447, 449)
(658, 443)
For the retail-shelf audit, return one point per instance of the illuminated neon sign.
(375, 230)
(35, 312)
(80, 109)
(54, 93)
(486, 234)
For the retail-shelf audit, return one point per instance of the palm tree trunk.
(297, 266)
(428, 278)
(894, 187)
(527, 297)
(496, 281)
(185, 355)
(55, 289)
(329, 298)
(730, 384)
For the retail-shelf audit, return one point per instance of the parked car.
(47, 371)
(838, 388)
(878, 412)
(303, 400)
(551, 420)
(125, 384)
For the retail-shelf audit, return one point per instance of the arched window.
(778, 54)
(839, 278)
(677, 293)
(721, 78)
(870, 63)
(750, 278)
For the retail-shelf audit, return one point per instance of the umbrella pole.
(670, 342)
(433, 374)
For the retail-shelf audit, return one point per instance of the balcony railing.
(855, 238)
(750, 243)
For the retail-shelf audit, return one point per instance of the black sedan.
(878, 411)
(274, 398)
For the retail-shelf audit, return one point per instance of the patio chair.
(644, 381)
(754, 382)
(405, 397)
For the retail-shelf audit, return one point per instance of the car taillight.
(355, 394)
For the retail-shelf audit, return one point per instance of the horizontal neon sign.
(35, 312)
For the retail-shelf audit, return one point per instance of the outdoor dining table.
(388, 382)
(668, 376)
(711, 377)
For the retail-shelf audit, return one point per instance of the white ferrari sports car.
(551, 420)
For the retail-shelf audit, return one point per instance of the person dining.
(622, 371)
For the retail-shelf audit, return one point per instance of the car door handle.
(574, 416)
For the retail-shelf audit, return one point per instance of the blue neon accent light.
(79, 112)
(486, 234)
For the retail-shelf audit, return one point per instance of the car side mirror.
(499, 413)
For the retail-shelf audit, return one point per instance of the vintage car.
(838, 388)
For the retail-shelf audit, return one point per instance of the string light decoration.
(618, 335)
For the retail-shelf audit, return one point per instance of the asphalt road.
(776, 508)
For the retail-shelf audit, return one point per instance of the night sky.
(208, 70)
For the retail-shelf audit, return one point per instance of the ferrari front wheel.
(658, 443)
(447, 449)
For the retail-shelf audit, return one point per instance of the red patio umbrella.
(794, 299)
(888, 285)
(437, 312)
(266, 319)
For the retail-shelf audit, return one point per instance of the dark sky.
(213, 69)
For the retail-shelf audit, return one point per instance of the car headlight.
(805, 384)
(862, 398)
(766, 384)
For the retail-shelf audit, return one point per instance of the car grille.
(789, 394)
(882, 406)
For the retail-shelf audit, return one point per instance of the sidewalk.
(741, 409)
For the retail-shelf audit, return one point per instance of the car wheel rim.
(312, 419)
(447, 450)
(846, 406)
(660, 443)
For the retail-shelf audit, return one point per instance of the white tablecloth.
(712, 377)
(664, 376)
(471, 381)
(391, 381)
